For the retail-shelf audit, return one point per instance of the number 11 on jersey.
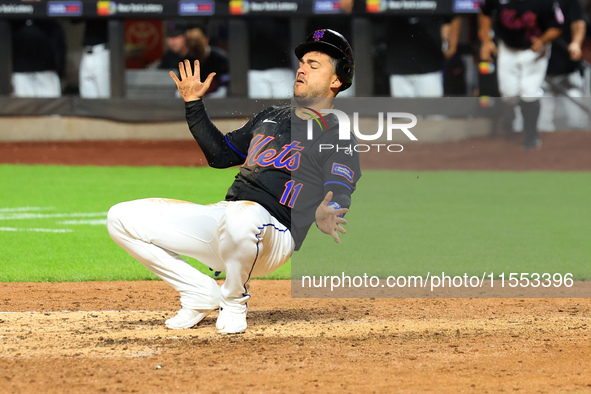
(293, 189)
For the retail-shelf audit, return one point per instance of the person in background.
(38, 58)
(564, 71)
(417, 49)
(176, 41)
(525, 30)
(211, 59)
(270, 74)
(95, 72)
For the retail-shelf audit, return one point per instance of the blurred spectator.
(525, 31)
(189, 41)
(417, 49)
(564, 77)
(270, 74)
(39, 54)
(95, 72)
(176, 42)
(211, 59)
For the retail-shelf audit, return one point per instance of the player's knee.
(116, 217)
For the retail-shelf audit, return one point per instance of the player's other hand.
(190, 86)
(574, 49)
(488, 49)
(536, 44)
(328, 219)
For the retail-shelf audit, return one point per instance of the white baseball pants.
(417, 85)
(95, 72)
(521, 72)
(36, 84)
(272, 83)
(238, 237)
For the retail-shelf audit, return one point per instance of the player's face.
(316, 76)
(177, 44)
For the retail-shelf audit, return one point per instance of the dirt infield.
(110, 337)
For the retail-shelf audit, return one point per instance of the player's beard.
(312, 95)
(308, 101)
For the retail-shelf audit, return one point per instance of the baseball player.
(564, 70)
(525, 30)
(285, 184)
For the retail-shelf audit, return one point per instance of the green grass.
(459, 222)
(454, 222)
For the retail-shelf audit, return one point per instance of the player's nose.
(300, 74)
(301, 69)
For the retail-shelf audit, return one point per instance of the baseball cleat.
(535, 145)
(231, 322)
(187, 318)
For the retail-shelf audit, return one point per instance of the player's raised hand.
(328, 219)
(190, 86)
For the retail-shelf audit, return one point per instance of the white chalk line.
(94, 222)
(37, 230)
(66, 311)
(25, 215)
(26, 209)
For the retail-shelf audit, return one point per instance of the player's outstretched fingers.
(188, 71)
(174, 78)
(182, 71)
(341, 222)
(197, 70)
(208, 80)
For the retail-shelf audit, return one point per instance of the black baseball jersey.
(38, 45)
(560, 62)
(281, 169)
(517, 21)
(414, 44)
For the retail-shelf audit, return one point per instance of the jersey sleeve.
(574, 12)
(341, 173)
(221, 151)
(554, 16)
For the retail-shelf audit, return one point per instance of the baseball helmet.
(334, 45)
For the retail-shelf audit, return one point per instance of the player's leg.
(156, 232)
(103, 71)
(401, 86)
(508, 76)
(548, 104)
(252, 243)
(23, 84)
(48, 84)
(429, 84)
(508, 72)
(87, 77)
(576, 117)
(534, 65)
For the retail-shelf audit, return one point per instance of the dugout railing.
(122, 108)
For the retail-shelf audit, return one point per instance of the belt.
(91, 48)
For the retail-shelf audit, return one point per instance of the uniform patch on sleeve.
(343, 170)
